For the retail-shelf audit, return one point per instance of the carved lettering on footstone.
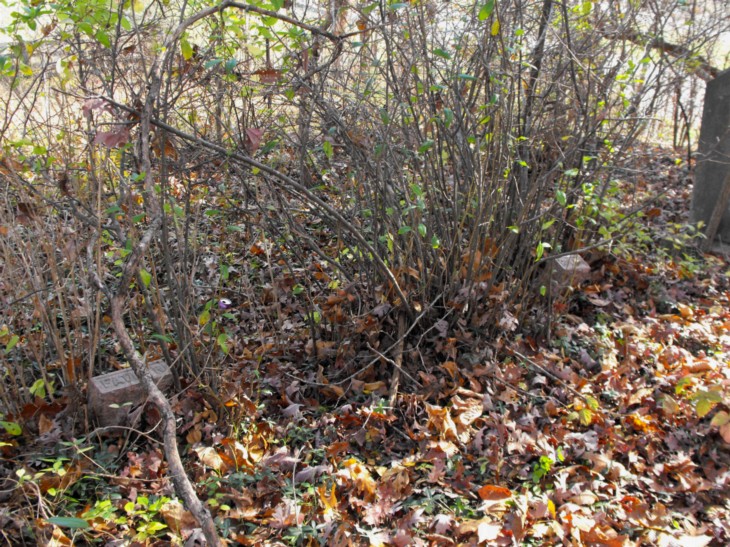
(113, 395)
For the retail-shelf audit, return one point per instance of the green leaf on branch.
(540, 250)
(426, 146)
(146, 277)
(328, 150)
(548, 223)
(486, 10)
(11, 428)
(69, 522)
(586, 416)
(186, 49)
(442, 53)
(103, 38)
(12, 343)
(222, 342)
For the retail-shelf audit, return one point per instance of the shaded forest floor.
(612, 431)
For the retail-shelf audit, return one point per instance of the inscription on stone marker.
(571, 270)
(119, 388)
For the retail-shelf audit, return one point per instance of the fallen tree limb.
(118, 299)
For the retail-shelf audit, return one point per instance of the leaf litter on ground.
(614, 431)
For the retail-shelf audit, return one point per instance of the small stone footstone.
(570, 270)
(112, 396)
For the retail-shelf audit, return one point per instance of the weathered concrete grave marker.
(713, 158)
(570, 270)
(120, 388)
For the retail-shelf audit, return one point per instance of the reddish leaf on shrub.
(252, 139)
(268, 75)
(95, 104)
(113, 139)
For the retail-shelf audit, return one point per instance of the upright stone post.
(713, 156)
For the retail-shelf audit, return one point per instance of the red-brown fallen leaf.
(451, 367)
(168, 149)
(45, 425)
(337, 448)
(489, 492)
(642, 424)
(257, 249)
(653, 212)
(685, 311)
(603, 538)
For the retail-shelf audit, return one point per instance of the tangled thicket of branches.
(450, 149)
(453, 149)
